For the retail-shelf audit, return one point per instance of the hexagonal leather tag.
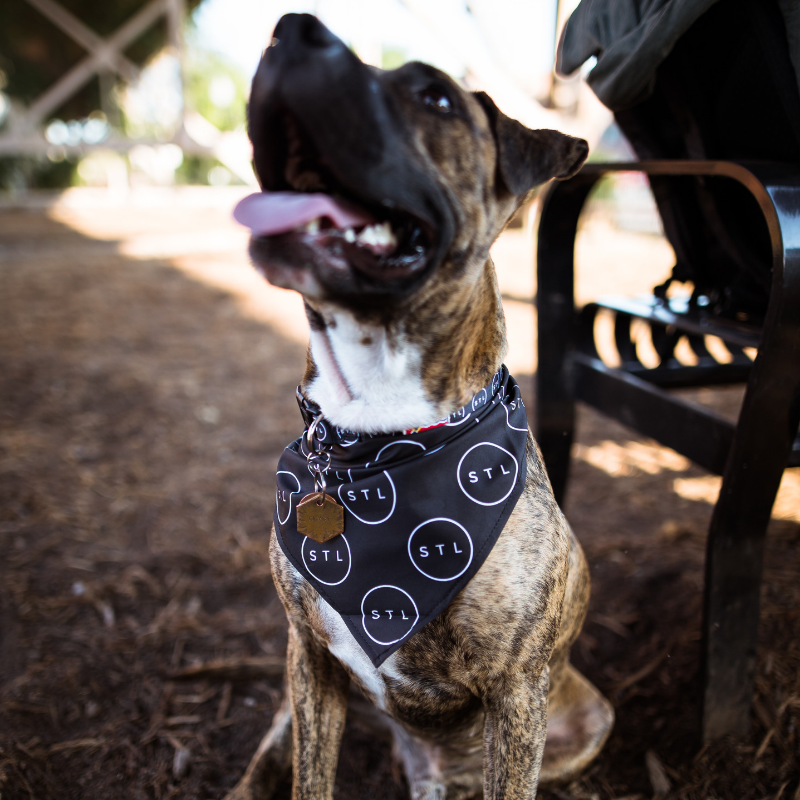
(320, 517)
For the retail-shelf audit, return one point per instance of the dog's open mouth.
(313, 220)
(383, 250)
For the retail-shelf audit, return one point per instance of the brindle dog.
(406, 325)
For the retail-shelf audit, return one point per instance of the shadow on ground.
(141, 418)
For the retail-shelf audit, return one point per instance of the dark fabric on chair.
(629, 39)
(726, 92)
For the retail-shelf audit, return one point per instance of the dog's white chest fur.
(342, 645)
(367, 382)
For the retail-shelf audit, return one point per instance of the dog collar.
(422, 508)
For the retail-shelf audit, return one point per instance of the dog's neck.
(369, 378)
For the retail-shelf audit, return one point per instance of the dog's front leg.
(318, 691)
(513, 738)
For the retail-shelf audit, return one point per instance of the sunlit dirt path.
(147, 380)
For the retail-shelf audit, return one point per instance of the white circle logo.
(479, 399)
(346, 438)
(517, 406)
(458, 418)
(440, 549)
(407, 445)
(370, 500)
(388, 614)
(487, 473)
(283, 495)
(329, 563)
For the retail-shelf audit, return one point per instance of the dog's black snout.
(304, 31)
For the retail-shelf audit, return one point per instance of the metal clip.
(319, 457)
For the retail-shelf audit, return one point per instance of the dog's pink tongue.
(271, 213)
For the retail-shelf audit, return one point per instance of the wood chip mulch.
(141, 640)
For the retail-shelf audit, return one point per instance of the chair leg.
(759, 454)
(555, 406)
(556, 432)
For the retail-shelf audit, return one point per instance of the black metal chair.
(730, 204)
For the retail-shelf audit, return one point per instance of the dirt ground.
(146, 390)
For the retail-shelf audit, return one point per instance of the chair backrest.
(727, 91)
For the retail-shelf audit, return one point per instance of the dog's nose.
(304, 57)
(304, 33)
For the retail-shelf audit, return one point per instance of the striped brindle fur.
(483, 700)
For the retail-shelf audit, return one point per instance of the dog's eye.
(435, 98)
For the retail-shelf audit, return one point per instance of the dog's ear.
(525, 157)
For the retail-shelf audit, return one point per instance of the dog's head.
(377, 183)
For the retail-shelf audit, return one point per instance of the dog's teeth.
(378, 236)
(350, 235)
(312, 226)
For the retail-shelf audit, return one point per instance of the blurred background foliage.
(181, 120)
(35, 54)
(216, 88)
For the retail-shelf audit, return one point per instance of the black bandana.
(422, 510)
